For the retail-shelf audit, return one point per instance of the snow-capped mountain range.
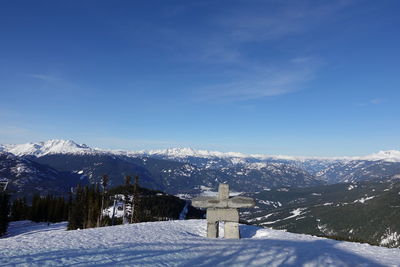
(70, 147)
(55, 166)
(185, 170)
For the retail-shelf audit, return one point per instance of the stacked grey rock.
(225, 209)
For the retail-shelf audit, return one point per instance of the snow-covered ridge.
(389, 155)
(48, 147)
(189, 152)
(70, 147)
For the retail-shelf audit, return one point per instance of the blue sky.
(318, 78)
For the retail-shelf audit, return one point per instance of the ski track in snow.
(179, 243)
(182, 215)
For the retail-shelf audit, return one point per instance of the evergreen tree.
(93, 206)
(85, 208)
(35, 209)
(76, 215)
(126, 198)
(4, 211)
(136, 202)
(46, 209)
(104, 183)
(19, 210)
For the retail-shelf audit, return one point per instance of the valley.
(354, 199)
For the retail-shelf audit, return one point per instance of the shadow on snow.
(200, 251)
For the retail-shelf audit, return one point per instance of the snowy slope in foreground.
(180, 243)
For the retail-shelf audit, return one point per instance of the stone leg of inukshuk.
(229, 216)
(223, 208)
(212, 229)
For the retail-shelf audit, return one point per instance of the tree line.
(43, 209)
(4, 211)
(87, 206)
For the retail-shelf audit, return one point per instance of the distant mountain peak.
(54, 146)
(388, 155)
(190, 152)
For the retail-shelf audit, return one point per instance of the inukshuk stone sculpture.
(223, 208)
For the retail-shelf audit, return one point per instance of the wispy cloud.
(230, 30)
(277, 21)
(53, 80)
(234, 41)
(133, 143)
(44, 77)
(264, 82)
(14, 134)
(67, 87)
(373, 101)
(13, 130)
(377, 101)
(234, 33)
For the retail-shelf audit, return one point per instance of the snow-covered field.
(179, 243)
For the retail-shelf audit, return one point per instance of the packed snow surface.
(179, 243)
